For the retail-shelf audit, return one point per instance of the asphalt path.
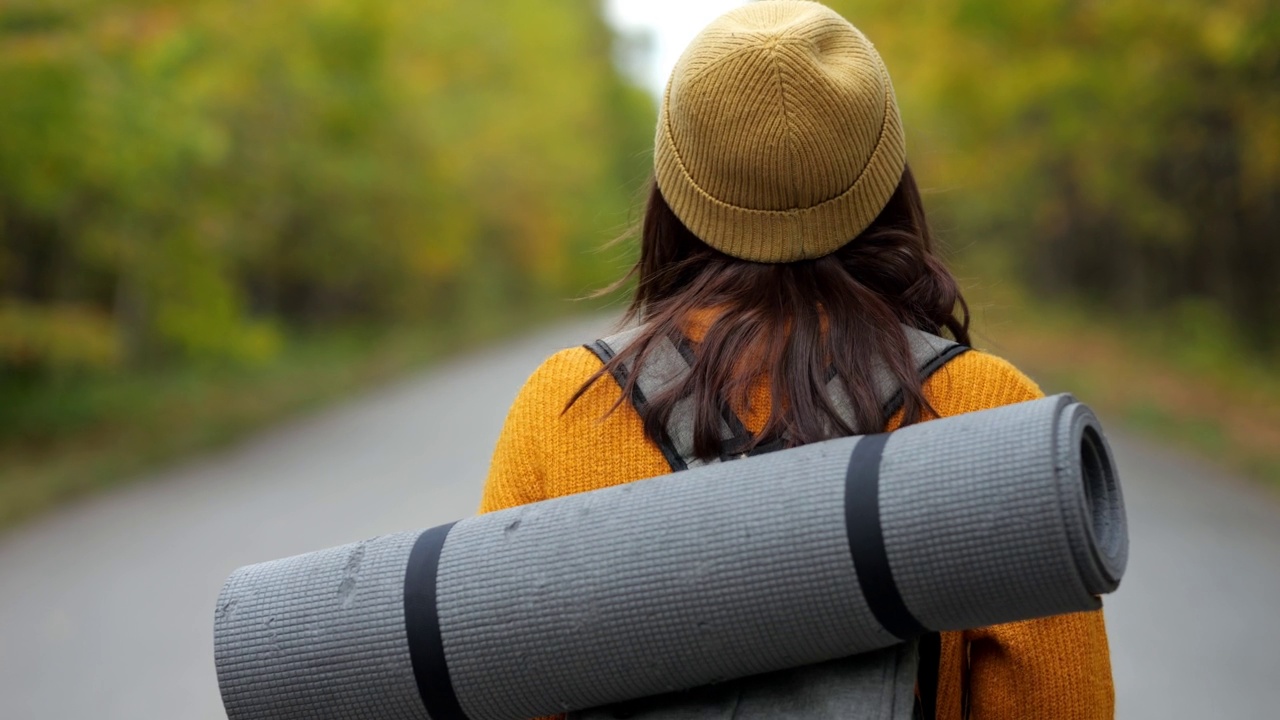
(106, 606)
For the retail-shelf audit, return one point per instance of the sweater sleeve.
(1055, 667)
(517, 470)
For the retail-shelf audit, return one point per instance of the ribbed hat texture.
(779, 137)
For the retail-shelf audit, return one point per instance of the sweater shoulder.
(595, 441)
(573, 363)
(530, 455)
(561, 375)
(978, 380)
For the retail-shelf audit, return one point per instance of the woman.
(785, 244)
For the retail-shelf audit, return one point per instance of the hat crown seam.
(789, 132)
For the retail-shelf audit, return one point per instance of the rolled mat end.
(1104, 552)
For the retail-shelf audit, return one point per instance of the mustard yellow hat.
(779, 137)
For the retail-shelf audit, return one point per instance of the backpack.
(880, 685)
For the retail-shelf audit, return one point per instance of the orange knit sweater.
(1056, 667)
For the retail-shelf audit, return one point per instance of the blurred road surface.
(106, 606)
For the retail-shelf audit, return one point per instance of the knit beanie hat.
(779, 137)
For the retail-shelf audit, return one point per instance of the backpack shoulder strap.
(669, 360)
(929, 353)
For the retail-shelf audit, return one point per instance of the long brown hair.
(791, 323)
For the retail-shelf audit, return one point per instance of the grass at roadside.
(62, 440)
(1181, 380)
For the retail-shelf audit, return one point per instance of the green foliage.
(1127, 152)
(206, 207)
(59, 338)
(206, 175)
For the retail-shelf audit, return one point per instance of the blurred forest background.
(213, 213)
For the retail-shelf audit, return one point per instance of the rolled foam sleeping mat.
(724, 571)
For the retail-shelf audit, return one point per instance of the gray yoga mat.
(772, 562)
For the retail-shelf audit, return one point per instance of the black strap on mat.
(871, 562)
(422, 627)
(866, 539)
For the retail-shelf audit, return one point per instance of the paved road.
(106, 606)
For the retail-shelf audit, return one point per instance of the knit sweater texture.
(1056, 667)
